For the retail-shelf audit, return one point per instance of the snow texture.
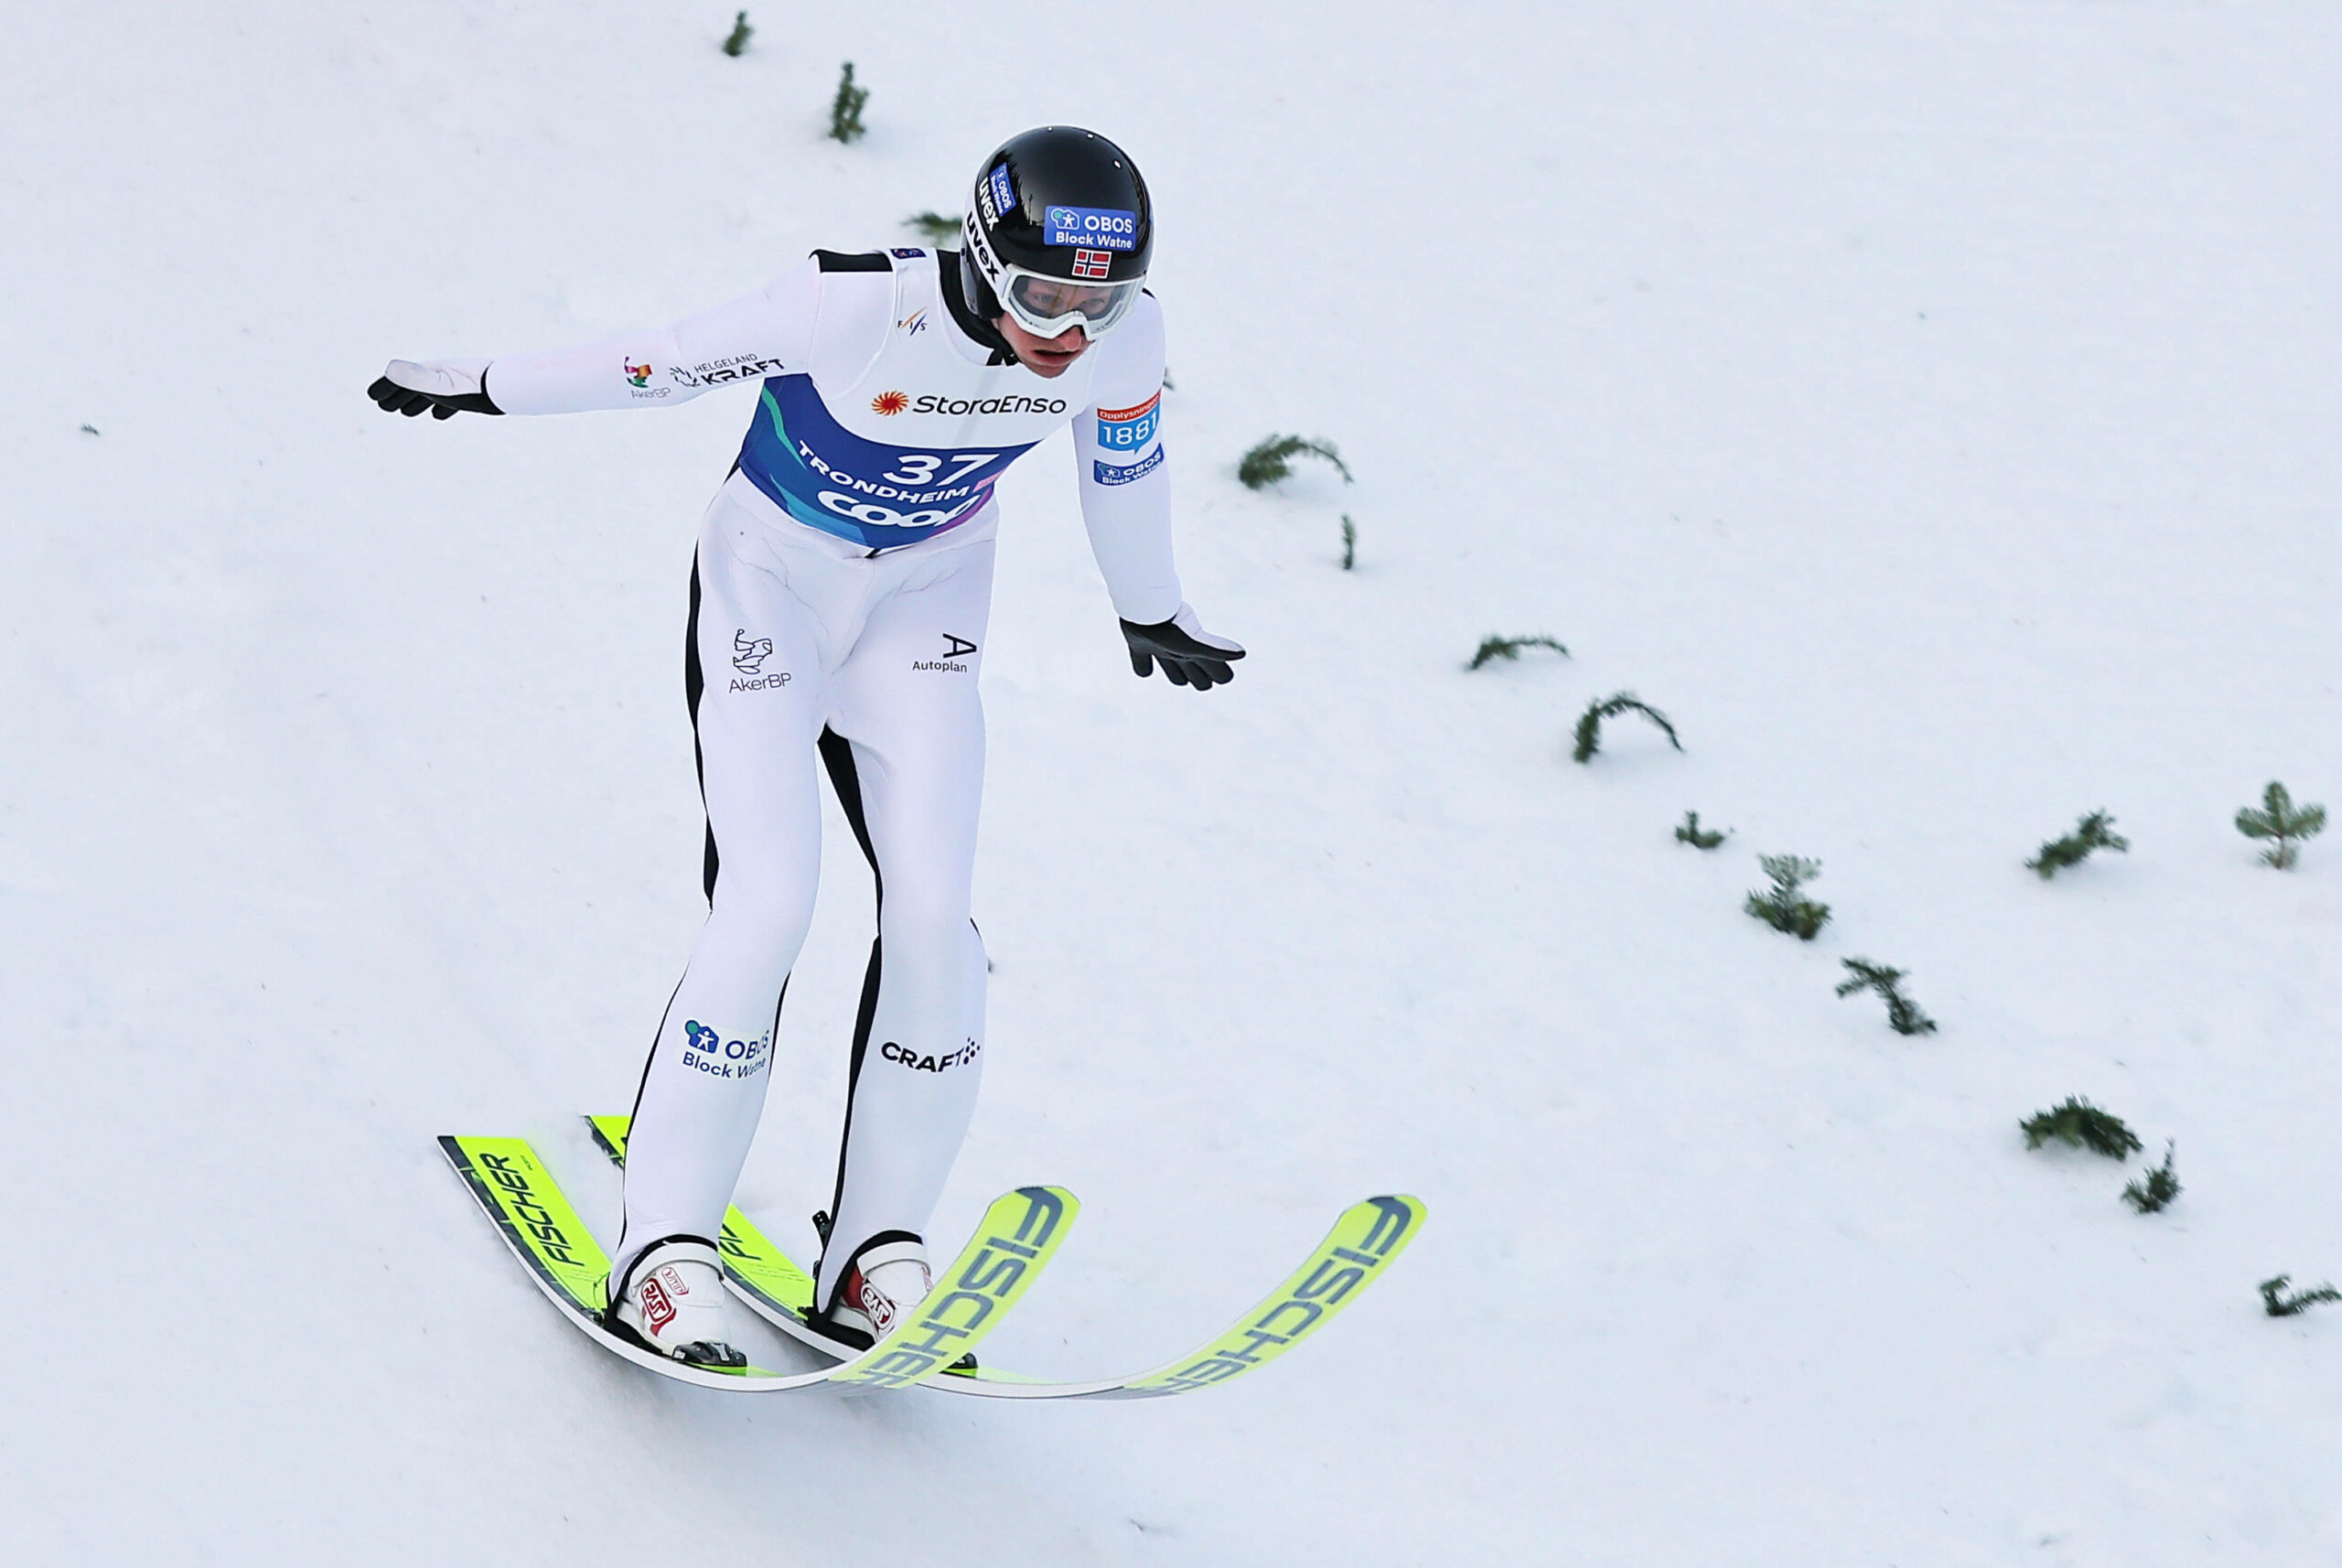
(1929, 407)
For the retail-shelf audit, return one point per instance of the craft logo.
(1092, 264)
(911, 1059)
(889, 403)
(914, 323)
(712, 1054)
(1004, 194)
(748, 652)
(637, 374)
(1124, 473)
(1128, 429)
(1102, 228)
(954, 650)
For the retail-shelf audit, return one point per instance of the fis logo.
(1128, 429)
(748, 652)
(914, 324)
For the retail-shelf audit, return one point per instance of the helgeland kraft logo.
(711, 1053)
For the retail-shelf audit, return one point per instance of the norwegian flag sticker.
(1092, 264)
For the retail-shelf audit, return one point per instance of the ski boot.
(671, 1301)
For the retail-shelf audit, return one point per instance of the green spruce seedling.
(2153, 1193)
(2083, 1125)
(88, 430)
(2094, 832)
(1689, 832)
(2277, 1304)
(1272, 460)
(846, 109)
(2280, 818)
(1902, 1015)
(933, 227)
(1589, 723)
(741, 33)
(1349, 543)
(1509, 648)
(1784, 907)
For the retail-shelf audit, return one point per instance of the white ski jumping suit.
(838, 609)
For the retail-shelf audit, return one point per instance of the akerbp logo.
(1124, 473)
(639, 375)
(1128, 429)
(1102, 228)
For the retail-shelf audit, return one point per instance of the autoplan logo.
(954, 650)
(749, 652)
(889, 403)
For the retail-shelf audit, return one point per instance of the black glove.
(445, 387)
(1191, 655)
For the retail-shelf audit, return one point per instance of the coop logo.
(889, 403)
(1100, 227)
(709, 1052)
(716, 372)
(1128, 429)
(911, 1059)
(521, 1200)
(1124, 473)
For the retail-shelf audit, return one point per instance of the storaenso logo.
(960, 1307)
(893, 1052)
(521, 1201)
(1014, 402)
(1298, 1310)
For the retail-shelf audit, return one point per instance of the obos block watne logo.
(1100, 228)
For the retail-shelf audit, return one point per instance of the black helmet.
(1059, 232)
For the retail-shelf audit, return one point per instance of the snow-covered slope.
(1929, 407)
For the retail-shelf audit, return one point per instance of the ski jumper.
(838, 605)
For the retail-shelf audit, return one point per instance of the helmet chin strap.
(975, 308)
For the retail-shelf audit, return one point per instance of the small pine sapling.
(846, 109)
(2153, 1193)
(2280, 818)
(1509, 648)
(2094, 832)
(1272, 460)
(741, 33)
(1689, 832)
(1349, 543)
(1784, 907)
(1589, 723)
(2083, 1125)
(88, 430)
(2277, 1304)
(933, 227)
(1902, 1015)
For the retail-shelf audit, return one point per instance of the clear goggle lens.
(1046, 306)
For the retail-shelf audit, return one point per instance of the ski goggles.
(1046, 306)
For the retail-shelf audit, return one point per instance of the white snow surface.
(1930, 407)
